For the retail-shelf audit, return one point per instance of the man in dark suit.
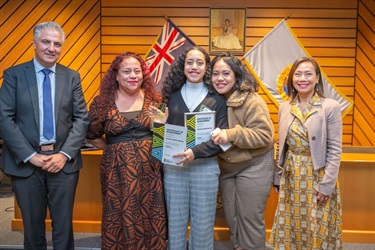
(43, 121)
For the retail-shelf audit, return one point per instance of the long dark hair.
(176, 76)
(245, 81)
(292, 92)
(109, 84)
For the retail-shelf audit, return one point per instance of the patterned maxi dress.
(300, 223)
(133, 207)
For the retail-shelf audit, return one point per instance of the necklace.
(195, 100)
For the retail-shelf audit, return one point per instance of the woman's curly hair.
(245, 81)
(176, 76)
(109, 84)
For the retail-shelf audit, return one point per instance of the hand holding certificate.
(220, 137)
(172, 144)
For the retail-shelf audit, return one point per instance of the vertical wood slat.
(314, 23)
(3, 2)
(7, 9)
(75, 21)
(24, 10)
(364, 109)
(81, 23)
(272, 4)
(12, 33)
(20, 40)
(80, 28)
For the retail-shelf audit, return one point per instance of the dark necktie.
(47, 106)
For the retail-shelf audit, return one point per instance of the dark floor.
(14, 239)
(83, 241)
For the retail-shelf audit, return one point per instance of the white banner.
(270, 61)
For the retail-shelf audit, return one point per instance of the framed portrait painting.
(227, 30)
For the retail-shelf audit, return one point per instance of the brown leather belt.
(47, 147)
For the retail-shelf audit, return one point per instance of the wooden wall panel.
(275, 4)
(364, 94)
(96, 33)
(98, 30)
(358, 215)
(327, 29)
(6, 11)
(80, 21)
(338, 33)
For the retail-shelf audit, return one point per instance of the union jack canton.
(170, 44)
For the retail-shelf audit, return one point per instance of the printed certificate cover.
(168, 140)
(199, 127)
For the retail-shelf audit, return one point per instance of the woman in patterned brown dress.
(309, 214)
(133, 208)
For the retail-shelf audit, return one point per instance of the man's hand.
(55, 163)
(39, 160)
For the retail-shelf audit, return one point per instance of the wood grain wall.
(98, 30)
(326, 28)
(81, 23)
(364, 92)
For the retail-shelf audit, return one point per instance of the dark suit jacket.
(19, 118)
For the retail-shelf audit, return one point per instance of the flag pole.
(166, 17)
(179, 30)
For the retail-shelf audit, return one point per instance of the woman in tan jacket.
(247, 167)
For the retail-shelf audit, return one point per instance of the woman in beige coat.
(247, 167)
(309, 213)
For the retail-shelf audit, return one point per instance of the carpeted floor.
(14, 239)
(83, 241)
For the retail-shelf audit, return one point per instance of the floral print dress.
(300, 223)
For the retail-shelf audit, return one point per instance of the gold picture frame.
(227, 30)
